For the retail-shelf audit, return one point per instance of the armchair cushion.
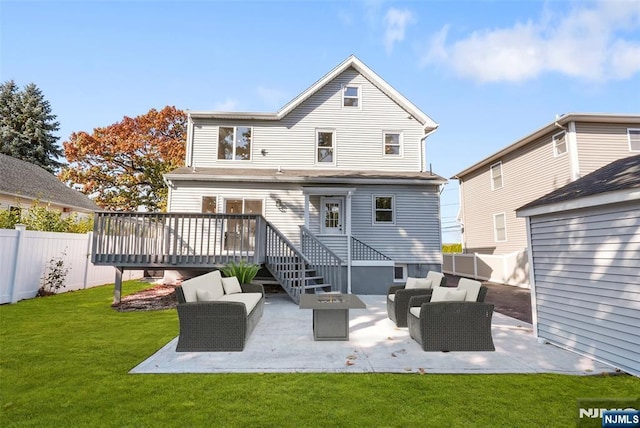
(231, 285)
(444, 294)
(437, 278)
(472, 287)
(418, 283)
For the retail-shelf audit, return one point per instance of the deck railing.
(127, 239)
(361, 251)
(321, 259)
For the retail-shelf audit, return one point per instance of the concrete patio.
(283, 343)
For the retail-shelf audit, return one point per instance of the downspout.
(189, 151)
(423, 148)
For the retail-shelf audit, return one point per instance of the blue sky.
(489, 72)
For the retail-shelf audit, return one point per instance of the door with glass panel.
(332, 216)
(241, 232)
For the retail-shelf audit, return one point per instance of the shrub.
(9, 219)
(45, 219)
(245, 272)
(53, 278)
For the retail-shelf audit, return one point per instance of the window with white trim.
(384, 209)
(351, 96)
(499, 227)
(392, 143)
(234, 142)
(496, 176)
(400, 273)
(559, 143)
(325, 146)
(634, 139)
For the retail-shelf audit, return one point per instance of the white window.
(559, 143)
(234, 142)
(351, 96)
(499, 227)
(325, 146)
(496, 176)
(400, 273)
(392, 143)
(209, 204)
(634, 139)
(384, 209)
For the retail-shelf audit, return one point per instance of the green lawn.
(64, 361)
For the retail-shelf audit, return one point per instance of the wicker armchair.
(398, 297)
(451, 326)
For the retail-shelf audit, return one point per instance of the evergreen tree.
(27, 126)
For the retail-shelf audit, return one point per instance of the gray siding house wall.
(585, 253)
(282, 175)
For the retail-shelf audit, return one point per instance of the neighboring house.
(343, 163)
(22, 183)
(562, 151)
(584, 245)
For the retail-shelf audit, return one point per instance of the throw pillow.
(448, 294)
(205, 295)
(231, 285)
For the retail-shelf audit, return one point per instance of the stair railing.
(325, 262)
(285, 262)
(362, 251)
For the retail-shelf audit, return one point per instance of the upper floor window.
(392, 143)
(351, 96)
(496, 176)
(325, 146)
(209, 204)
(384, 209)
(559, 143)
(634, 139)
(499, 227)
(234, 142)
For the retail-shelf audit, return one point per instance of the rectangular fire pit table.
(331, 314)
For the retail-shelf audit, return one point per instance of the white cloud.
(598, 42)
(226, 105)
(396, 22)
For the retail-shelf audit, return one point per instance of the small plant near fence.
(245, 272)
(54, 276)
(451, 248)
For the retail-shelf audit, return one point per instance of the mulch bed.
(155, 298)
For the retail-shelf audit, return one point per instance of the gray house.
(584, 246)
(337, 177)
(22, 183)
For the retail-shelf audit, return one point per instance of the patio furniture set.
(219, 314)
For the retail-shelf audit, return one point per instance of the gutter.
(423, 147)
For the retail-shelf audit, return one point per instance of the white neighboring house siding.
(587, 281)
(290, 143)
(7, 201)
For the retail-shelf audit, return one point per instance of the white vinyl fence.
(511, 269)
(25, 254)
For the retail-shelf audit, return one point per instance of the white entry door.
(332, 216)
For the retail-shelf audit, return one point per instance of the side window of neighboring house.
(325, 146)
(234, 142)
(351, 96)
(634, 139)
(384, 209)
(559, 143)
(209, 204)
(499, 227)
(392, 143)
(496, 176)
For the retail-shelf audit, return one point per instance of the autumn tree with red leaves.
(121, 166)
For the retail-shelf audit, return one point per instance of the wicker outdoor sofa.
(217, 314)
(452, 325)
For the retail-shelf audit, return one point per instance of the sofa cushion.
(448, 294)
(472, 287)
(231, 285)
(205, 295)
(211, 281)
(250, 300)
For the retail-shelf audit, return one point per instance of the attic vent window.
(634, 139)
(351, 96)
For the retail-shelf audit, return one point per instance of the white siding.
(587, 281)
(290, 143)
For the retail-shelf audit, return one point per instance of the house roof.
(548, 128)
(24, 180)
(302, 176)
(619, 180)
(352, 62)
